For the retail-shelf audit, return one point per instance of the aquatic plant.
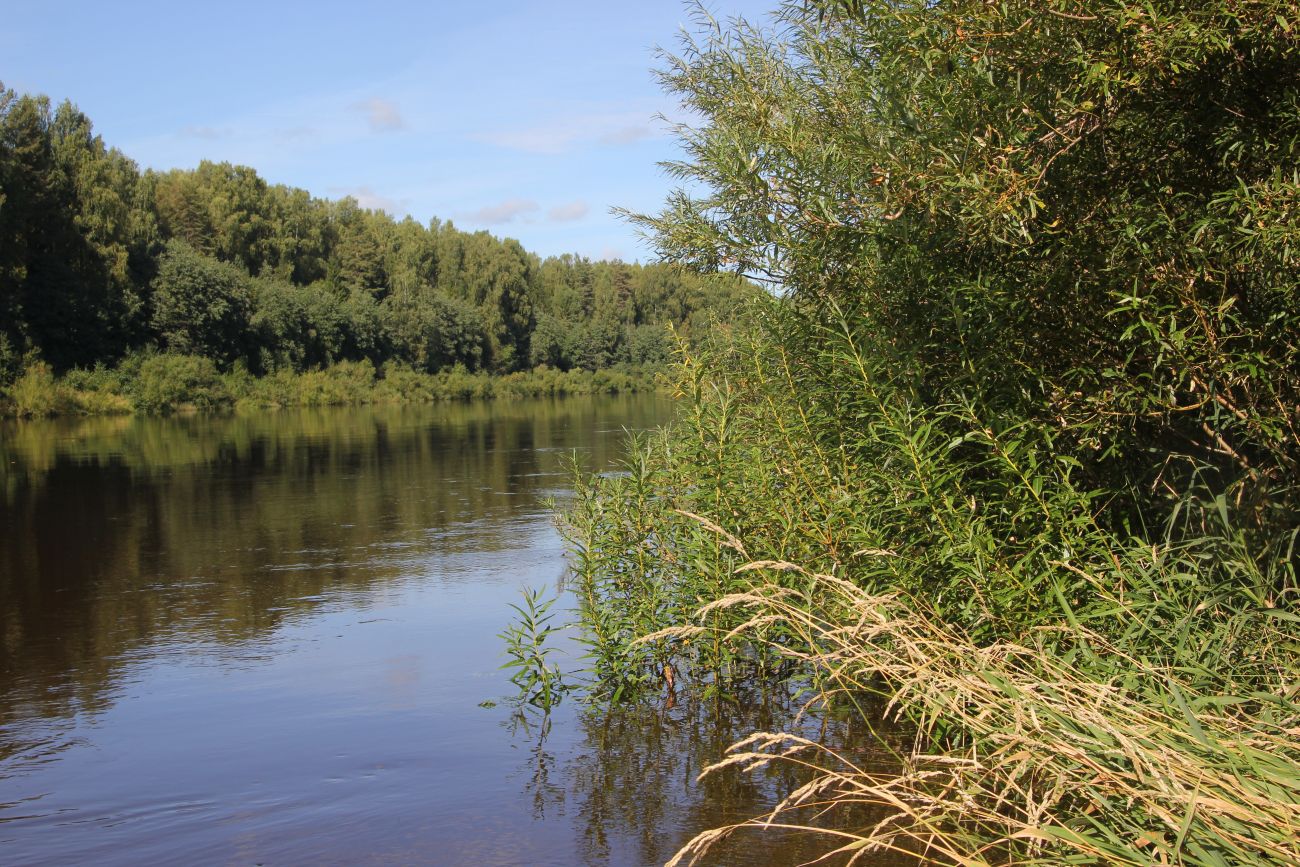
(540, 680)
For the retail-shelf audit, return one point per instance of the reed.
(1045, 752)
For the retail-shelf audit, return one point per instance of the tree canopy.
(99, 259)
(1078, 216)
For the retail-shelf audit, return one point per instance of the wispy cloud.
(538, 140)
(368, 198)
(628, 135)
(505, 212)
(568, 213)
(381, 114)
(608, 129)
(208, 133)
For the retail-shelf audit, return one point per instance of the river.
(272, 639)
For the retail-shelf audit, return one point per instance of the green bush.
(35, 394)
(166, 383)
(402, 384)
(348, 382)
(10, 361)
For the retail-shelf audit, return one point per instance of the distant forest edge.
(127, 290)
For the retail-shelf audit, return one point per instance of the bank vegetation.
(1015, 446)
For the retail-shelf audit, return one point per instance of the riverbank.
(166, 383)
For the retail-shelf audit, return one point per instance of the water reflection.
(633, 778)
(123, 535)
(266, 638)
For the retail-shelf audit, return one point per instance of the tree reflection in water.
(630, 776)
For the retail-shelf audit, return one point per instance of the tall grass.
(1047, 752)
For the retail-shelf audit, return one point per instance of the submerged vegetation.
(213, 272)
(1017, 446)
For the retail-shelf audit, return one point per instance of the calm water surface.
(265, 640)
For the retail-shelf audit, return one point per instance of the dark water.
(265, 639)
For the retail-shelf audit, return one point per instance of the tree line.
(99, 260)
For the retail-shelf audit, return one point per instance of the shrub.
(348, 382)
(167, 382)
(35, 394)
(1034, 376)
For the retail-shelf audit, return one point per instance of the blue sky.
(529, 120)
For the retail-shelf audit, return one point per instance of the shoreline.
(167, 384)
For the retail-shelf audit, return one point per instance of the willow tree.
(1079, 216)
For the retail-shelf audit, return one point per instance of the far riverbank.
(164, 383)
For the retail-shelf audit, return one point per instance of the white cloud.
(567, 213)
(368, 198)
(505, 212)
(381, 114)
(571, 133)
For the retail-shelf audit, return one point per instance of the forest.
(105, 267)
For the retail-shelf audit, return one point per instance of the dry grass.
(1024, 756)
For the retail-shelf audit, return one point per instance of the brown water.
(265, 639)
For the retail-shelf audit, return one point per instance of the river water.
(272, 639)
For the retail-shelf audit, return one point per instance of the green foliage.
(430, 332)
(348, 382)
(625, 534)
(990, 529)
(550, 343)
(1079, 223)
(10, 360)
(200, 305)
(38, 393)
(151, 383)
(649, 344)
(33, 394)
(72, 229)
(94, 391)
(1034, 381)
(99, 261)
(168, 382)
(298, 327)
(360, 382)
(540, 681)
